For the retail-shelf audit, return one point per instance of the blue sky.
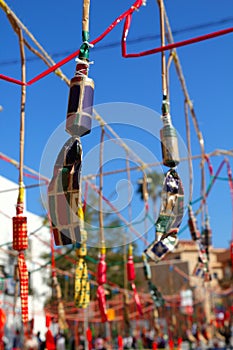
(207, 67)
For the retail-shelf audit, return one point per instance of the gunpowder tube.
(169, 145)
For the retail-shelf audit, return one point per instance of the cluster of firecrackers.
(172, 208)
(20, 234)
(203, 241)
(82, 284)
(20, 243)
(65, 188)
(131, 277)
(101, 280)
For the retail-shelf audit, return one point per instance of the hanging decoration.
(20, 236)
(56, 290)
(82, 284)
(101, 280)
(131, 277)
(64, 191)
(202, 240)
(154, 292)
(64, 188)
(172, 198)
(102, 266)
(170, 217)
(61, 311)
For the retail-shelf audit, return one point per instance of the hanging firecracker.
(206, 237)
(82, 284)
(131, 277)
(64, 194)
(64, 189)
(20, 243)
(80, 103)
(168, 136)
(172, 197)
(195, 233)
(202, 267)
(101, 280)
(203, 240)
(154, 292)
(170, 217)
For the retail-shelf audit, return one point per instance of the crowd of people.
(198, 337)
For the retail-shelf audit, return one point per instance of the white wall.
(41, 290)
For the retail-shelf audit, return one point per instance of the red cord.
(134, 7)
(210, 166)
(128, 16)
(169, 46)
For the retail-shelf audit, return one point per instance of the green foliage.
(154, 185)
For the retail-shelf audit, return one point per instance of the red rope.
(128, 16)
(169, 46)
(134, 7)
(210, 166)
(11, 80)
